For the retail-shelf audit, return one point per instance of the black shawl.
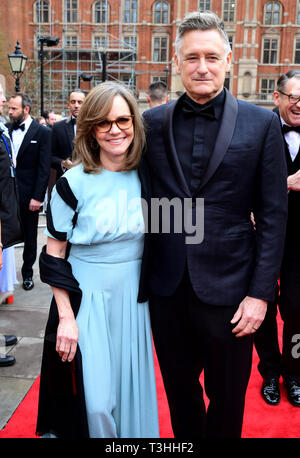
(61, 408)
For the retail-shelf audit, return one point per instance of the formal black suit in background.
(237, 165)
(62, 143)
(32, 174)
(272, 362)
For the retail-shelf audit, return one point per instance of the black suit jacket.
(62, 143)
(292, 240)
(246, 172)
(33, 163)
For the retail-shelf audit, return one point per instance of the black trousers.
(30, 226)
(189, 337)
(272, 362)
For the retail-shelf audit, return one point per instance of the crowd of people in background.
(208, 302)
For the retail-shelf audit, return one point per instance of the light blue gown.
(114, 329)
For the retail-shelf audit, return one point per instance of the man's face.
(290, 112)
(75, 101)
(202, 64)
(2, 99)
(15, 110)
(51, 119)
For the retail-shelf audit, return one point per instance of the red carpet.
(260, 420)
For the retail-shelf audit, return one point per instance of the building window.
(164, 79)
(267, 88)
(298, 13)
(70, 82)
(41, 11)
(297, 51)
(71, 10)
(228, 10)
(270, 47)
(70, 41)
(272, 13)
(130, 11)
(101, 12)
(160, 49)
(100, 41)
(129, 80)
(161, 13)
(131, 44)
(204, 5)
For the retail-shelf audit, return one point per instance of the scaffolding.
(102, 56)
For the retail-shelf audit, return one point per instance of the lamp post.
(48, 41)
(17, 63)
(84, 77)
(167, 71)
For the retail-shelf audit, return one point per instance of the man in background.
(157, 94)
(63, 133)
(5, 162)
(274, 364)
(32, 147)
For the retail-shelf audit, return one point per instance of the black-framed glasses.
(292, 98)
(123, 123)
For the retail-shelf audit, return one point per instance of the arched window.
(272, 13)
(41, 13)
(130, 11)
(71, 10)
(204, 5)
(161, 13)
(100, 13)
(229, 10)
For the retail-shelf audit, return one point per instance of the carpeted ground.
(260, 420)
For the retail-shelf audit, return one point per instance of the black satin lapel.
(170, 147)
(70, 130)
(224, 137)
(28, 136)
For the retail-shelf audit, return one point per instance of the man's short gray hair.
(202, 21)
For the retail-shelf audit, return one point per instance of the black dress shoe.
(6, 360)
(10, 340)
(270, 391)
(292, 385)
(28, 284)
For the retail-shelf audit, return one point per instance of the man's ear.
(177, 64)
(276, 97)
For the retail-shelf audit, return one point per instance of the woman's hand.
(67, 338)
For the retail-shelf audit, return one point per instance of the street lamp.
(48, 41)
(17, 63)
(84, 77)
(167, 71)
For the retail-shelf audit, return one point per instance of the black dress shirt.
(195, 137)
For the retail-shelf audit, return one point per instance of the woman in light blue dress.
(96, 207)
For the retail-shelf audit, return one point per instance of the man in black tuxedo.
(157, 94)
(32, 146)
(63, 133)
(208, 297)
(272, 363)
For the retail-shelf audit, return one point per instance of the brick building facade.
(133, 40)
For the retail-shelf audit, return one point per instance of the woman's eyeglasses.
(123, 123)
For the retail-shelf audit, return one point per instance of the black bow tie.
(198, 110)
(16, 126)
(73, 121)
(286, 128)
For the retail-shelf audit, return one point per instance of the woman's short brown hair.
(95, 109)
